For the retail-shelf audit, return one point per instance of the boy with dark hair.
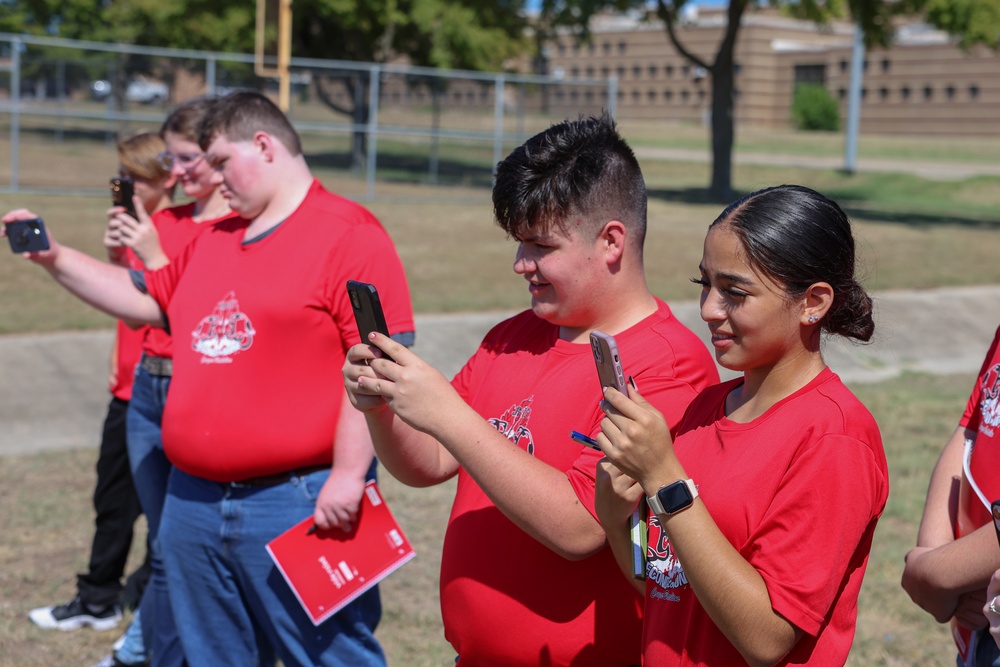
(526, 576)
(256, 403)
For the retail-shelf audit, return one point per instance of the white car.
(143, 91)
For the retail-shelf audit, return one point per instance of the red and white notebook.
(328, 569)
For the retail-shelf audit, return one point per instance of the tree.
(974, 20)
(465, 34)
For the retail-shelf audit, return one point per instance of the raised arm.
(535, 496)
(106, 287)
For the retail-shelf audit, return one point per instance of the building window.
(607, 47)
(883, 93)
(621, 71)
(864, 93)
(589, 95)
(669, 70)
(842, 93)
(701, 94)
(621, 95)
(653, 69)
(651, 95)
(973, 91)
(574, 95)
(605, 71)
(685, 94)
(636, 95)
(591, 47)
(737, 68)
(636, 71)
(668, 95)
(574, 72)
(928, 93)
(950, 92)
(562, 48)
(622, 46)
(590, 72)
(560, 94)
(685, 70)
(905, 92)
(810, 74)
(843, 65)
(885, 64)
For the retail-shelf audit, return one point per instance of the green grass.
(911, 233)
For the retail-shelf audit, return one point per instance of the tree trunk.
(721, 187)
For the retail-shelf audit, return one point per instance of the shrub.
(813, 108)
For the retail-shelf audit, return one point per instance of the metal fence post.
(498, 122)
(374, 74)
(612, 95)
(15, 112)
(210, 75)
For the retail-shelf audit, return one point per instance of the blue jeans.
(150, 471)
(131, 649)
(986, 651)
(231, 603)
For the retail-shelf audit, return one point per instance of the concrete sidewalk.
(935, 171)
(53, 396)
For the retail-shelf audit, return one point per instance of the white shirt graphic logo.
(224, 333)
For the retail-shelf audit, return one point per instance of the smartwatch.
(672, 498)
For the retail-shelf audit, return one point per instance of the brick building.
(923, 84)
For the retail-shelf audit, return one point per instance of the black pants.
(117, 507)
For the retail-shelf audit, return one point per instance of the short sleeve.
(825, 507)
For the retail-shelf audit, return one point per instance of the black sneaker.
(75, 615)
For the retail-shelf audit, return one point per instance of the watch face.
(675, 497)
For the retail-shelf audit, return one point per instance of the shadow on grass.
(402, 168)
(854, 208)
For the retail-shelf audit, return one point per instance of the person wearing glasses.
(151, 242)
(949, 569)
(763, 506)
(100, 594)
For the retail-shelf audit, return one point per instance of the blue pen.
(584, 440)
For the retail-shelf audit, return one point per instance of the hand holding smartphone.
(122, 191)
(367, 310)
(609, 364)
(27, 236)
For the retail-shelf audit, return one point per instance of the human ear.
(816, 302)
(613, 240)
(264, 143)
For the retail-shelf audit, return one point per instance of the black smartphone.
(996, 517)
(27, 235)
(122, 190)
(367, 310)
(609, 363)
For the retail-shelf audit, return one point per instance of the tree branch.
(669, 17)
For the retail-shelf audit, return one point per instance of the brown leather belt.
(280, 477)
(161, 366)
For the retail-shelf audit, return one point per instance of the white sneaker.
(74, 616)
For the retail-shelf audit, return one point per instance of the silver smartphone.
(608, 360)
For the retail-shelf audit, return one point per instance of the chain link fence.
(63, 103)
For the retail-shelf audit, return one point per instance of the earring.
(812, 319)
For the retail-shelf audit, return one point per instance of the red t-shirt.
(507, 600)
(262, 331)
(797, 492)
(176, 230)
(129, 349)
(982, 414)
